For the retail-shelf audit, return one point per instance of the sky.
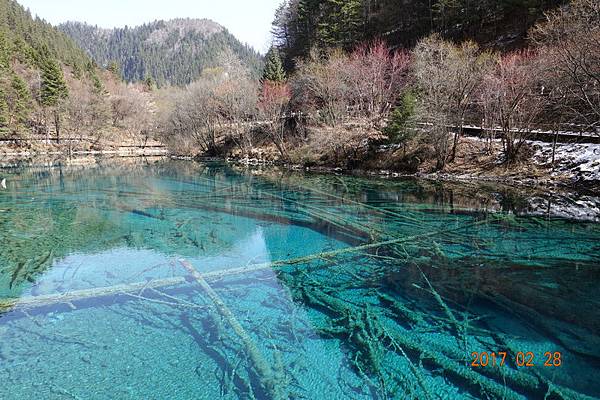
(249, 20)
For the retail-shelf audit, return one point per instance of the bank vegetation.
(337, 107)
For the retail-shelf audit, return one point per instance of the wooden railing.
(563, 134)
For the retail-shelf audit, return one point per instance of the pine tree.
(307, 19)
(341, 23)
(4, 117)
(4, 52)
(113, 68)
(54, 88)
(26, 33)
(26, 54)
(90, 67)
(273, 71)
(398, 128)
(77, 71)
(97, 84)
(149, 83)
(21, 100)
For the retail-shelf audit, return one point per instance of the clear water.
(310, 287)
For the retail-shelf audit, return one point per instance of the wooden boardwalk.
(566, 135)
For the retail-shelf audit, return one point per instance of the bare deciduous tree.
(570, 43)
(376, 77)
(221, 102)
(320, 88)
(272, 106)
(448, 77)
(512, 92)
(237, 98)
(195, 116)
(87, 114)
(364, 84)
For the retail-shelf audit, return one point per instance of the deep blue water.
(311, 286)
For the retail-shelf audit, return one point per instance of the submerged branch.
(41, 301)
(267, 378)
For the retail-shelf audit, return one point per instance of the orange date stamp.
(482, 359)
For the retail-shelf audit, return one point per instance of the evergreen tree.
(4, 52)
(301, 25)
(97, 84)
(26, 54)
(77, 71)
(308, 13)
(340, 24)
(54, 88)
(21, 100)
(90, 67)
(149, 83)
(398, 128)
(28, 33)
(4, 117)
(273, 67)
(113, 68)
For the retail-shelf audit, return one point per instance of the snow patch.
(577, 161)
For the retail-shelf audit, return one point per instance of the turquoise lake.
(163, 279)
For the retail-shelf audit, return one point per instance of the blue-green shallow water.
(387, 321)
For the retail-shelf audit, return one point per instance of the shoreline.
(531, 183)
(572, 166)
(586, 187)
(12, 159)
(140, 152)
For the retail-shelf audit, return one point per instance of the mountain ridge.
(172, 52)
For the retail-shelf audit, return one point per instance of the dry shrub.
(272, 107)
(344, 145)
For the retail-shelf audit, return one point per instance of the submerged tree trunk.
(267, 377)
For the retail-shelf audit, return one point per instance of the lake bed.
(302, 286)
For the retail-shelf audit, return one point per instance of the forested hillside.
(304, 24)
(25, 36)
(51, 90)
(170, 52)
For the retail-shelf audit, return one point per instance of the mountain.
(171, 52)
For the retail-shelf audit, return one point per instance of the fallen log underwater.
(31, 302)
(266, 375)
(513, 384)
(500, 382)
